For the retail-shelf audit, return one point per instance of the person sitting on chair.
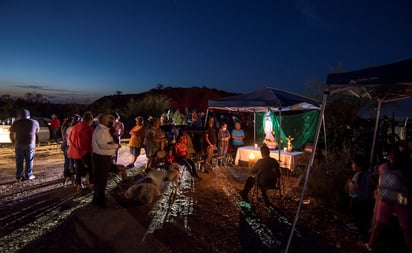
(181, 155)
(267, 171)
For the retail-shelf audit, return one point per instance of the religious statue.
(290, 145)
(269, 140)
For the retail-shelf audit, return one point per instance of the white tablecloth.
(287, 159)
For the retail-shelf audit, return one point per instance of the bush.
(328, 177)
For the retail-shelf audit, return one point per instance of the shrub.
(329, 174)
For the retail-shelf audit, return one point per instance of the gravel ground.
(198, 216)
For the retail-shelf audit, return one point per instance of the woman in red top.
(80, 149)
(180, 149)
(54, 127)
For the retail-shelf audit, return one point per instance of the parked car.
(42, 136)
(44, 133)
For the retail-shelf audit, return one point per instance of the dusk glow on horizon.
(82, 50)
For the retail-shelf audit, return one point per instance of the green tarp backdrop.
(301, 126)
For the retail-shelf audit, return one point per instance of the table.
(287, 159)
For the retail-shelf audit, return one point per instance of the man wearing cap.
(23, 134)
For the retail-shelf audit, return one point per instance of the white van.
(42, 136)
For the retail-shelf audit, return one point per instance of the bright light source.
(251, 160)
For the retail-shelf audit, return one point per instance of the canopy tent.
(261, 99)
(386, 83)
(398, 110)
(264, 99)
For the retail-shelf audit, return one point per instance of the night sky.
(81, 50)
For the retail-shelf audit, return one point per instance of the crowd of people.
(90, 145)
(91, 149)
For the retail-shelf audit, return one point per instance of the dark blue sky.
(81, 50)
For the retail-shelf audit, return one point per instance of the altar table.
(287, 159)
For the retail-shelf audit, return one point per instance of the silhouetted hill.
(181, 98)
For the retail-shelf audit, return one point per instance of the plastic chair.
(276, 187)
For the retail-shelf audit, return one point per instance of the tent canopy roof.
(261, 99)
(390, 82)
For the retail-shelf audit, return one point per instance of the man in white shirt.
(104, 148)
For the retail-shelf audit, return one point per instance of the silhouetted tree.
(34, 97)
(151, 104)
(103, 106)
(7, 106)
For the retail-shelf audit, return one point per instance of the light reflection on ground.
(48, 220)
(269, 238)
(173, 204)
(261, 230)
(49, 216)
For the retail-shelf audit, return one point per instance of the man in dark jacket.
(267, 171)
(210, 141)
(23, 134)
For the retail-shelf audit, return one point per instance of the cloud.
(51, 92)
(36, 86)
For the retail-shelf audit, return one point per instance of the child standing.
(358, 192)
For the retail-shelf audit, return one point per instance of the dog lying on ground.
(146, 189)
(143, 191)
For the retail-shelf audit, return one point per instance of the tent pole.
(207, 114)
(280, 135)
(308, 168)
(254, 127)
(378, 115)
(324, 136)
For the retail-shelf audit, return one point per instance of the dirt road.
(197, 216)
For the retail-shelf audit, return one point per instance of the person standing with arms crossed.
(23, 135)
(238, 136)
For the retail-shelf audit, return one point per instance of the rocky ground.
(204, 215)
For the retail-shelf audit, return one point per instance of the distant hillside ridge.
(181, 98)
